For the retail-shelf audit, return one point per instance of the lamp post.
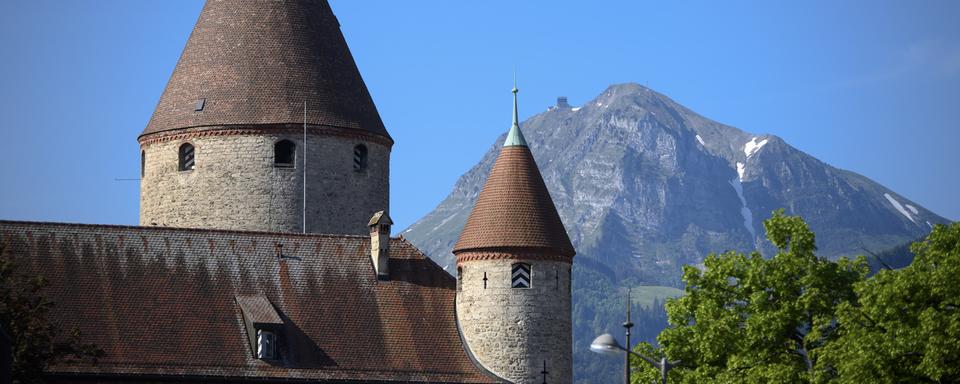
(627, 325)
(607, 345)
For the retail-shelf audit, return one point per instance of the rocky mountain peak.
(644, 185)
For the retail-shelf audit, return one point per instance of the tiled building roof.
(514, 210)
(163, 303)
(255, 62)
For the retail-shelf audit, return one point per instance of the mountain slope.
(645, 185)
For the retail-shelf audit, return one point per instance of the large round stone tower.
(265, 125)
(513, 267)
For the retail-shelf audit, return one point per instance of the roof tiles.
(256, 62)
(514, 210)
(162, 302)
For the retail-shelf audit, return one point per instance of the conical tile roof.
(514, 211)
(255, 62)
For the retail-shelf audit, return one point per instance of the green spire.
(515, 137)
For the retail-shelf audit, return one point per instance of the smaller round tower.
(514, 272)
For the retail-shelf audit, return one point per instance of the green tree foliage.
(746, 319)
(642, 372)
(905, 325)
(36, 343)
(797, 318)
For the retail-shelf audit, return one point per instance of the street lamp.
(607, 345)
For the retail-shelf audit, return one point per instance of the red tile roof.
(256, 62)
(514, 210)
(162, 302)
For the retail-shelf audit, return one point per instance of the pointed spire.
(515, 137)
(514, 211)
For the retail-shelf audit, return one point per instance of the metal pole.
(664, 367)
(627, 324)
(304, 213)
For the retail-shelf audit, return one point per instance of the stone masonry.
(236, 186)
(513, 331)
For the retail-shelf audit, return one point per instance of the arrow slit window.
(520, 276)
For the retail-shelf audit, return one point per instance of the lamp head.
(606, 345)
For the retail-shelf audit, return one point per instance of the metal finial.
(515, 90)
(515, 137)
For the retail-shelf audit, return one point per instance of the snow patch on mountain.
(741, 170)
(753, 146)
(912, 209)
(700, 139)
(444, 221)
(744, 210)
(896, 204)
(574, 109)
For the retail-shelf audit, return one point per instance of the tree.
(905, 324)
(749, 319)
(36, 343)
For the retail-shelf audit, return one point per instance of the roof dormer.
(263, 326)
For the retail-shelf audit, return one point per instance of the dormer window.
(266, 345)
(263, 325)
(520, 276)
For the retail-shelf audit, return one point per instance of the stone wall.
(513, 331)
(235, 184)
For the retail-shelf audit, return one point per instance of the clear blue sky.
(872, 87)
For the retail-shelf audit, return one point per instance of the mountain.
(644, 185)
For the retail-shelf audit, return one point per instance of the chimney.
(380, 243)
(562, 102)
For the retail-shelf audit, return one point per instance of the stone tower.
(513, 268)
(225, 146)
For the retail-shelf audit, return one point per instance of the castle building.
(263, 252)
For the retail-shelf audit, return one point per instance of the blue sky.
(873, 87)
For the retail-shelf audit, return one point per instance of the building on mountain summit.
(263, 251)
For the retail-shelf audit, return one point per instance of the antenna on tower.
(304, 214)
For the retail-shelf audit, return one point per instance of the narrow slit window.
(187, 157)
(359, 158)
(459, 278)
(284, 153)
(520, 276)
(143, 163)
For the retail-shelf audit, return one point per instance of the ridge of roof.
(264, 63)
(186, 229)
